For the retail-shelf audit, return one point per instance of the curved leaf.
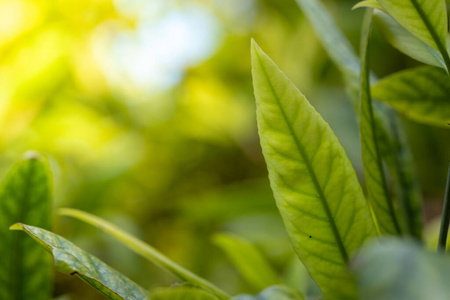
(71, 260)
(378, 191)
(145, 250)
(313, 182)
(249, 261)
(394, 269)
(182, 293)
(425, 19)
(406, 42)
(25, 196)
(369, 4)
(421, 94)
(277, 292)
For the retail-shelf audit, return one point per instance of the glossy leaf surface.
(394, 269)
(421, 94)
(25, 196)
(253, 267)
(425, 19)
(144, 249)
(71, 260)
(378, 191)
(406, 42)
(278, 292)
(314, 184)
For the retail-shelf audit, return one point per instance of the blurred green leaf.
(421, 94)
(25, 196)
(277, 292)
(393, 269)
(382, 204)
(71, 260)
(253, 267)
(144, 249)
(314, 184)
(182, 293)
(425, 19)
(368, 3)
(406, 42)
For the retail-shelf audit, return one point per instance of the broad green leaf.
(421, 94)
(394, 150)
(252, 265)
(25, 196)
(314, 184)
(277, 292)
(382, 204)
(425, 19)
(71, 260)
(181, 293)
(394, 269)
(406, 42)
(144, 250)
(369, 4)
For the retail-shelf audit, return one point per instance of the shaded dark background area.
(145, 110)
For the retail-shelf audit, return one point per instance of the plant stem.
(445, 220)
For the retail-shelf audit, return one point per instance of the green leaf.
(278, 292)
(71, 260)
(313, 182)
(249, 261)
(369, 4)
(421, 94)
(25, 196)
(425, 19)
(393, 269)
(406, 42)
(145, 250)
(382, 204)
(182, 293)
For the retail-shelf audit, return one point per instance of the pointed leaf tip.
(16, 226)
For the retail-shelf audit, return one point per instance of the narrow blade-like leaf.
(25, 196)
(425, 19)
(406, 42)
(382, 205)
(253, 267)
(394, 269)
(145, 250)
(421, 94)
(313, 182)
(277, 292)
(368, 3)
(71, 260)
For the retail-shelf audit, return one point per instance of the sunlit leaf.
(425, 19)
(394, 269)
(145, 250)
(406, 42)
(181, 293)
(253, 267)
(278, 292)
(369, 4)
(71, 260)
(313, 182)
(378, 191)
(25, 196)
(421, 94)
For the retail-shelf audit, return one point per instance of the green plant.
(326, 214)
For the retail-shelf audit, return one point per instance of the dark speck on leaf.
(310, 236)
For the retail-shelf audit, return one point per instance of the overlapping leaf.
(422, 94)
(145, 250)
(378, 191)
(25, 196)
(253, 267)
(277, 292)
(314, 184)
(394, 269)
(70, 259)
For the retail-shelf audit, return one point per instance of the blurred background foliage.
(145, 109)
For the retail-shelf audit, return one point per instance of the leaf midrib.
(302, 151)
